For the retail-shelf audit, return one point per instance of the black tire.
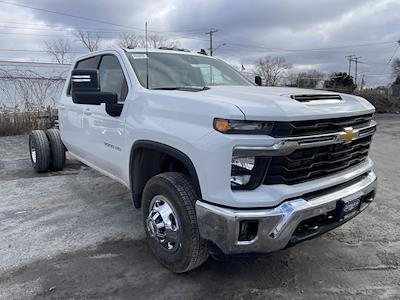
(57, 150)
(39, 150)
(192, 250)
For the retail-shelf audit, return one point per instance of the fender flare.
(171, 151)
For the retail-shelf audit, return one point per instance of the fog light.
(248, 230)
(241, 170)
(370, 196)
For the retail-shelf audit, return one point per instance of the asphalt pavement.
(75, 234)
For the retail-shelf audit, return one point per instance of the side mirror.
(258, 80)
(85, 88)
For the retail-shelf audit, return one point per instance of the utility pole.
(356, 61)
(350, 58)
(211, 40)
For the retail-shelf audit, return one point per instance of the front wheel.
(170, 222)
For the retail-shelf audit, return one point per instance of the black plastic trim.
(177, 154)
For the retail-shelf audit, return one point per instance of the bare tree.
(272, 68)
(292, 80)
(396, 68)
(59, 50)
(309, 79)
(157, 41)
(89, 39)
(131, 40)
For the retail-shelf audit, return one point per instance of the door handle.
(87, 111)
(61, 106)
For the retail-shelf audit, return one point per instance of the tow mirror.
(257, 80)
(85, 88)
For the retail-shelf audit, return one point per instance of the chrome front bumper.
(276, 226)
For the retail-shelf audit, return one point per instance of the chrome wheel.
(162, 223)
(33, 153)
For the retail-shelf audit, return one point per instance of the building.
(394, 90)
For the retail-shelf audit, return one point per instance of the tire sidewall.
(57, 150)
(179, 260)
(33, 142)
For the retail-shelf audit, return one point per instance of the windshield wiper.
(183, 88)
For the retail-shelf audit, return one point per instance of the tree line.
(61, 49)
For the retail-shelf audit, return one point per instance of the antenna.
(147, 60)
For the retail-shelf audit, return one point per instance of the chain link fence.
(28, 95)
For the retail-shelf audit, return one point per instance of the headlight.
(242, 127)
(247, 173)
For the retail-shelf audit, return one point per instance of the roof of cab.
(166, 50)
(140, 50)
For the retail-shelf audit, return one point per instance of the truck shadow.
(21, 168)
(127, 268)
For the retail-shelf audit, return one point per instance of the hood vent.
(315, 97)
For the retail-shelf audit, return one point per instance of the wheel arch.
(143, 166)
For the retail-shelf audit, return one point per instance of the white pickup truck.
(218, 164)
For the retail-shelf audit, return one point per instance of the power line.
(377, 75)
(99, 30)
(38, 51)
(87, 18)
(68, 15)
(4, 62)
(391, 58)
(191, 32)
(231, 48)
(210, 32)
(34, 34)
(72, 36)
(308, 49)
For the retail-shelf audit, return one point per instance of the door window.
(88, 63)
(112, 77)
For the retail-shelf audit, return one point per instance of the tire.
(57, 150)
(39, 150)
(190, 250)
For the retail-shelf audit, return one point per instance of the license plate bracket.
(349, 206)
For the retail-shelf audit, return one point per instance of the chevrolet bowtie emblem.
(349, 134)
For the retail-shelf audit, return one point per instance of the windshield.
(170, 70)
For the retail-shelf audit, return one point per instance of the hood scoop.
(315, 97)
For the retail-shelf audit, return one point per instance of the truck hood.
(277, 103)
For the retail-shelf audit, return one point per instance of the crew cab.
(216, 163)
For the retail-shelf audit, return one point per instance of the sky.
(309, 34)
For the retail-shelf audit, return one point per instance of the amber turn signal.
(222, 125)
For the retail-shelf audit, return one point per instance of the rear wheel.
(170, 222)
(57, 150)
(39, 150)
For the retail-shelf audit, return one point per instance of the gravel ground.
(75, 234)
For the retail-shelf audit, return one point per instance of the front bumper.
(279, 227)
